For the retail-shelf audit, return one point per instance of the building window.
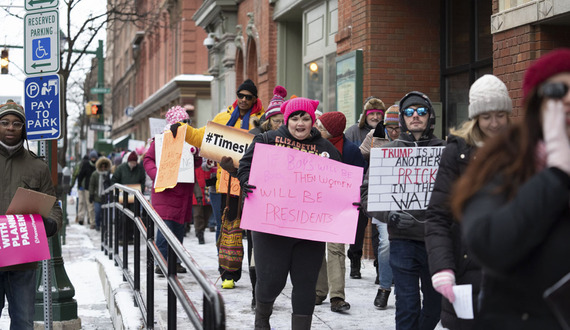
(320, 24)
(467, 55)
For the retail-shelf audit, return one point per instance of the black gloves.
(174, 128)
(227, 163)
(246, 188)
(379, 131)
(91, 198)
(50, 226)
(199, 201)
(400, 220)
(359, 206)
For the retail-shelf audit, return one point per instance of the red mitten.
(443, 282)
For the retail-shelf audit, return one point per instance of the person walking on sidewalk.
(21, 168)
(245, 110)
(389, 132)
(513, 204)
(201, 208)
(129, 173)
(83, 178)
(408, 256)
(100, 180)
(450, 262)
(278, 256)
(371, 118)
(173, 205)
(331, 276)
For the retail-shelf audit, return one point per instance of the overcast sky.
(12, 34)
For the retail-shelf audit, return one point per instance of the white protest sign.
(402, 178)
(186, 172)
(156, 125)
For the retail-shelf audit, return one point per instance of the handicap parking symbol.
(41, 49)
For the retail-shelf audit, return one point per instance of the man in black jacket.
(83, 178)
(408, 257)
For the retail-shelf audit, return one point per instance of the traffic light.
(96, 109)
(4, 61)
(93, 108)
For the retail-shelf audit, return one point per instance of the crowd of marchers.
(498, 217)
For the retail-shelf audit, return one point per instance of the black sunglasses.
(422, 111)
(553, 90)
(247, 97)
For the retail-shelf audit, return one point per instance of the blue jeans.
(384, 269)
(177, 229)
(19, 287)
(98, 214)
(216, 202)
(410, 266)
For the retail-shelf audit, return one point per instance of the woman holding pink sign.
(278, 256)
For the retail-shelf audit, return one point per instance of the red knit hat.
(334, 122)
(546, 66)
(299, 104)
(133, 157)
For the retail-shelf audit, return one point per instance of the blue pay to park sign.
(42, 106)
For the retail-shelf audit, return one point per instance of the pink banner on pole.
(302, 195)
(22, 239)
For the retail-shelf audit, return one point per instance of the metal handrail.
(145, 217)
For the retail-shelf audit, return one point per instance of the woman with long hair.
(514, 204)
(449, 261)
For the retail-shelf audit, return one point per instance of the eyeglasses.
(247, 97)
(553, 90)
(186, 121)
(276, 121)
(393, 129)
(15, 125)
(422, 111)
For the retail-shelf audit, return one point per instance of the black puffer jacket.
(443, 233)
(522, 246)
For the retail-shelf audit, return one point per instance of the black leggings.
(278, 256)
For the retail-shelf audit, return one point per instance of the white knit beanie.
(488, 93)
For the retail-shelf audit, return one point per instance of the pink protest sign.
(23, 239)
(302, 195)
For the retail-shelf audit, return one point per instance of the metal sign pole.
(46, 269)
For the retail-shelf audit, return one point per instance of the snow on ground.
(82, 256)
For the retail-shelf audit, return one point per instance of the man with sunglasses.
(21, 168)
(246, 109)
(408, 256)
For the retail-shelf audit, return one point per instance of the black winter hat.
(249, 86)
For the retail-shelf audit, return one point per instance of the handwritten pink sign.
(22, 239)
(302, 195)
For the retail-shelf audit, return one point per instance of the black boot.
(262, 314)
(253, 279)
(381, 300)
(355, 268)
(200, 236)
(301, 322)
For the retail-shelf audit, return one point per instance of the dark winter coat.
(84, 176)
(94, 181)
(522, 245)
(443, 233)
(357, 134)
(415, 232)
(124, 175)
(171, 204)
(351, 155)
(24, 169)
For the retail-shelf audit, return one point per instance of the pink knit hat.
(299, 104)
(274, 107)
(176, 114)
